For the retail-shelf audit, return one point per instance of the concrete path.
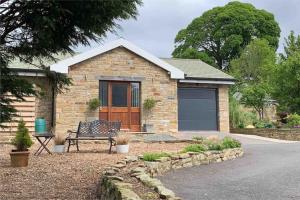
(269, 170)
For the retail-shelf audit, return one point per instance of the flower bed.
(126, 179)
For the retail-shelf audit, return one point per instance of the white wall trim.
(218, 82)
(62, 66)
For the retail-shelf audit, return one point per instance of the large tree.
(40, 29)
(222, 32)
(254, 71)
(287, 76)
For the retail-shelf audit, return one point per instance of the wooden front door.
(121, 102)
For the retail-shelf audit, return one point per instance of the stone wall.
(282, 134)
(223, 108)
(113, 186)
(71, 107)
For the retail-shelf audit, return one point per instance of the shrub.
(263, 124)
(293, 120)
(59, 139)
(239, 118)
(149, 104)
(198, 138)
(213, 146)
(122, 140)
(283, 117)
(94, 104)
(194, 148)
(22, 140)
(229, 142)
(154, 156)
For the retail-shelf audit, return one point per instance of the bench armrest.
(71, 133)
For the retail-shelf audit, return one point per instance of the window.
(119, 94)
(103, 93)
(135, 94)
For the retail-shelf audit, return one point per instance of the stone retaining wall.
(113, 186)
(282, 134)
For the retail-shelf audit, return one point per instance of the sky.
(159, 21)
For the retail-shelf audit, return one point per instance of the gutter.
(221, 81)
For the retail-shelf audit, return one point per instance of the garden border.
(113, 186)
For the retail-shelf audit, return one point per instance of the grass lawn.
(67, 176)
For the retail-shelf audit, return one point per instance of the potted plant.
(93, 104)
(59, 143)
(148, 106)
(122, 144)
(22, 141)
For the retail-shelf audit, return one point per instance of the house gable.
(63, 65)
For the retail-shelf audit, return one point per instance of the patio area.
(65, 176)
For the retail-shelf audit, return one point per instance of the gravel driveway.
(64, 176)
(268, 171)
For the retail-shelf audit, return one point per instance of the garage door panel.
(197, 108)
(196, 105)
(195, 93)
(194, 125)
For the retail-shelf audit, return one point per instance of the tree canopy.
(222, 32)
(254, 71)
(41, 29)
(287, 77)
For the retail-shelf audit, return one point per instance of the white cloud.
(160, 20)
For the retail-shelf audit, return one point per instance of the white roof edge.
(62, 66)
(218, 82)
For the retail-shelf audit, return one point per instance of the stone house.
(190, 94)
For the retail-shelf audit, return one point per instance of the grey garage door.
(197, 109)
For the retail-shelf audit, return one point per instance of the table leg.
(43, 146)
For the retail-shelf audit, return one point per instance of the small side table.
(43, 143)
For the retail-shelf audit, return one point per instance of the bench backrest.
(98, 128)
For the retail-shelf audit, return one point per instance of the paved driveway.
(267, 171)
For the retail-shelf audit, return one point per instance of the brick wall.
(71, 107)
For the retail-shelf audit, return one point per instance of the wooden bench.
(95, 130)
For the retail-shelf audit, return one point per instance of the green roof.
(17, 64)
(193, 68)
(197, 69)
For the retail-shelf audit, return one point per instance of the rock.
(119, 166)
(186, 160)
(109, 172)
(123, 185)
(207, 153)
(148, 181)
(189, 164)
(129, 159)
(174, 157)
(115, 169)
(127, 194)
(164, 193)
(163, 159)
(123, 162)
(138, 170)
(184, 155)
(118, 178)
(193, 153)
